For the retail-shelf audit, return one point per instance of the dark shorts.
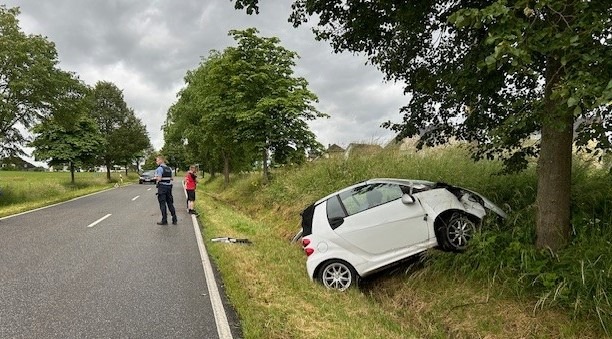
(191, 195)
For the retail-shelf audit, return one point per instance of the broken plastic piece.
(231, 240)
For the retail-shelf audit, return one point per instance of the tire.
(338, 275)
(456, 231)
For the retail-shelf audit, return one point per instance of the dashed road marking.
(136, 197)
(98, 221)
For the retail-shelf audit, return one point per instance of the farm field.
(22, 191)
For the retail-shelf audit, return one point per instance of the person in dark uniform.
(163, 178)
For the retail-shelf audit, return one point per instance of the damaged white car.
(368, 226)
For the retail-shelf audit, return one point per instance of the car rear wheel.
(338, 275)
(456, 231)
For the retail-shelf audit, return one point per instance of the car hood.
(488, 204)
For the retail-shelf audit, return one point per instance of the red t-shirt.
(190, 181)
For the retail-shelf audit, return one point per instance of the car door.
(378, 221)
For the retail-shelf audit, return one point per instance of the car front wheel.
(337, 274)
(456, 232)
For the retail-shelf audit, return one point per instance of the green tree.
(203, 121)
(274, 104)
(241, 105)
(111, 113)
(494, 73)
(131, 140)
(74, 144)
(149, 161)
(31, 84)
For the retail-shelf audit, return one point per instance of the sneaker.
(174, 222)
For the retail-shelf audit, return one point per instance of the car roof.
(405, 182)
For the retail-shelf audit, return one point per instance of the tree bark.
(72, 172)
(108, 171)
(554, 168)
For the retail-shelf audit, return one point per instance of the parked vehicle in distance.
(368, 226)
(147, 176)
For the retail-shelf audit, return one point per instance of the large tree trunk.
(108, 171)
(72, 172)
(554, 169)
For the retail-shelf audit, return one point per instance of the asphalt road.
(62, 275)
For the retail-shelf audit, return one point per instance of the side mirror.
(408, 199)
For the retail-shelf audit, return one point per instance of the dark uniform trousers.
(164, 196)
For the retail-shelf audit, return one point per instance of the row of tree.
(101, 130)
(241, 108)
(73, 123)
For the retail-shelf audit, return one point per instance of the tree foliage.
(241, 105)
(70, 136)
(494, 73)
(275, 105)
(31, 85)
(131, 140)
(125, 135)
(76, 144)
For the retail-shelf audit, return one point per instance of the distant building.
(16, 164)
(334, 151)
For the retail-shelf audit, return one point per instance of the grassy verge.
(22, 191)
(500, 288)
(267, 284)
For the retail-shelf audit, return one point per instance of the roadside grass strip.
(267, 283)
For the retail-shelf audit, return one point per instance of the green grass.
(22, 191)
(501, 287)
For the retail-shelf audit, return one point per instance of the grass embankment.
(500, 288)
(22, 191)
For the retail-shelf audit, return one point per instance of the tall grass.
(502, 259)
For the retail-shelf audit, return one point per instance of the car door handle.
(336, 222)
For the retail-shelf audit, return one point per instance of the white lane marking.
(149, 189)
(136, 197)
(99, 220)
(223, 328)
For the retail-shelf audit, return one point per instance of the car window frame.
(362, 191)
(330, 220)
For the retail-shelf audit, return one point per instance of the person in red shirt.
(190, 187)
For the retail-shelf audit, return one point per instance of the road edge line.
(223, 328)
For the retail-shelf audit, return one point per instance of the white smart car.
(368, 226)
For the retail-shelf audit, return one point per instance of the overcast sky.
(146, 47)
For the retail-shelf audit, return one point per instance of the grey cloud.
(146, 48)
